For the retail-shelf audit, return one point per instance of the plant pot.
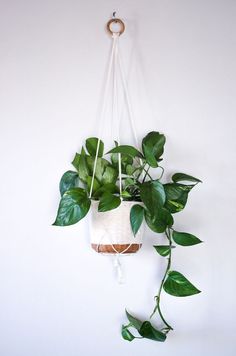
(111, 231)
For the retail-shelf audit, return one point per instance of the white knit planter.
(111, 231)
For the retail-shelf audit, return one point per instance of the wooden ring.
(122, 25)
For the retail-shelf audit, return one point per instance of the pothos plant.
(159, 203)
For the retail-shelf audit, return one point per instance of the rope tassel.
(118, 268)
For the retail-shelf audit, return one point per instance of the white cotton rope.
(128, 101)
(102, 113)
(115, 65)
(115, 115)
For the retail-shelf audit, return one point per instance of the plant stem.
(143, 169)
(158, 296)
(161, 172)
(146, 174)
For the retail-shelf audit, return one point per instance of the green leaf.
(182, 177)
(129, 182)
(149, 332)
(68, 181)
(106, 188)
(176, 196)
(126, 194)
(185, 239)
(73, 207)
(127, 150)
(153, 147)
(126, 334)
(129, 169)
(125, 159)
(153, 195)
(100, 166)
(108, 201)
(163, 250)
(75, 161)
(91, 146)
(179, 286)
(96, 185)
(134, 321)
(146, 329)
(126, 163)
(160, 221)
(149, 156)
(136, 217)
(110, 175)
(79, 162)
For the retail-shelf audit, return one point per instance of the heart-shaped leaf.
(153, 147)
(73, 207)
(92, 144)
(182, 177)
(136, 217)
(179, 286)
(108, 202)
(149, 156)
(176, 196)
(185, 239)
(149, 332)
(153, 195)
(160, 221)
(68, 181)
(145, 329)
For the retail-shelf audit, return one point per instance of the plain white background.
(57, 296)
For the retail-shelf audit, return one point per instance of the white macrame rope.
(115, 65)
(102, 113)
(115, 61)
(128, 101)
(117, 262)
(115, 114)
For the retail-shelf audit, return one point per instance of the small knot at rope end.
(118, 268)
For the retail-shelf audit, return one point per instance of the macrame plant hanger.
(115, 75)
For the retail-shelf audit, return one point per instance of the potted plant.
(122, 186)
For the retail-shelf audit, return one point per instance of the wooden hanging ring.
(120, 22)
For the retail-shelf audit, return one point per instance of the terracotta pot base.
(119, 248)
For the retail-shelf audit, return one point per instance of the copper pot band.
(116, 247)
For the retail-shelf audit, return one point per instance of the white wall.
(57, 296)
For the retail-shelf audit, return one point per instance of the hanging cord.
(115, 64)
(103, 113)
(112, 65)
(128, 102)
(115, 114)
